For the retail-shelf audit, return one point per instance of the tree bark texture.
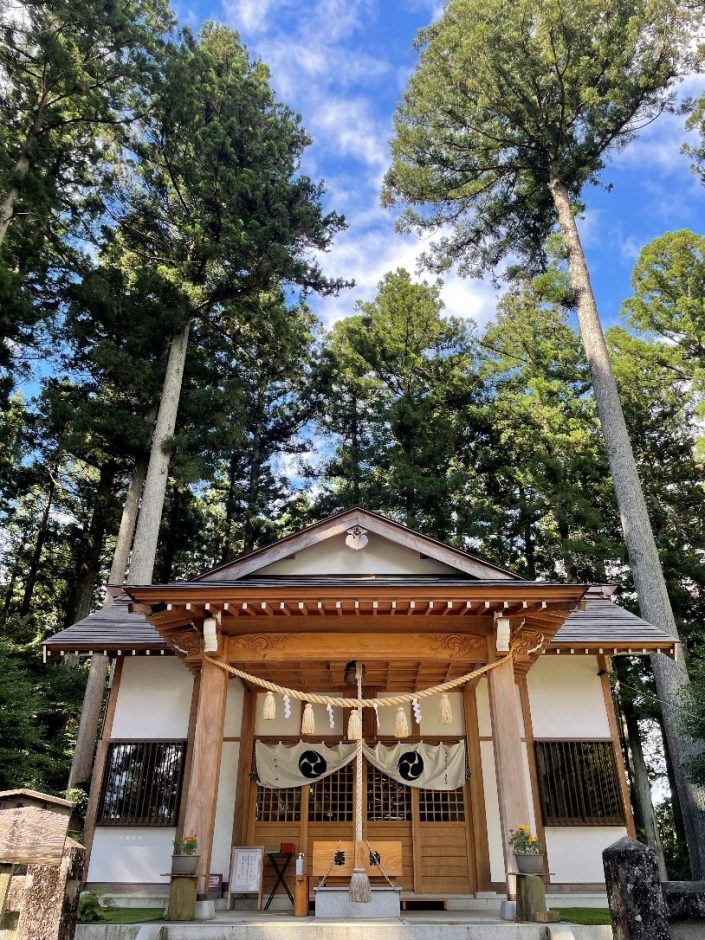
(642, 789)
(33, 571)
(82, 761)
(147, 534)
(671, 676)
(7, 208)
(128, 521)
(91, 548)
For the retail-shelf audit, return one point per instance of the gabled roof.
(599, 623)
(338, 524)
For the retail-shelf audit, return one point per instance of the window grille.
(386, 799)
(442, 805)
(278, 805)
(331, 799)
(142, 783)
(578, 783)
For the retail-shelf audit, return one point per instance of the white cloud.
(251, 15)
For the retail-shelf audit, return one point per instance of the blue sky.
(342, 64)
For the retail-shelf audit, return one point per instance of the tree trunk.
(226, 545)
(253, 484)
(91, 548)
(147, 534)
(7, 208)
(33, 570)
(128, 521)
(82, 761)
(671, 676)
(642, 786)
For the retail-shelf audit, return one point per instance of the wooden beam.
(477, 819)
(312, 647)
(100, 760)
(603, 672)
(202, 791)
(244, 766)
(506, 737)
(533, 772)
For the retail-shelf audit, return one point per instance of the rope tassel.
(401, 726)
(354, 726)
(446, 710)
(360, 887)
(308, 722)
(269, 710)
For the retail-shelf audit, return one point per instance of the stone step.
(275, 928)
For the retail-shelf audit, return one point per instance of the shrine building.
(186, 748)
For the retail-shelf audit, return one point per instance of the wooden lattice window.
(386, 799)
(442, 805)
(278, 805)
(331, 799)
(578, 783)
(142, 783)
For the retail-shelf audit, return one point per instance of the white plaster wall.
(154, 698)
(136, 856)
(225, 809)
(233, 709)
(565, 694)
(380, 556)
(575, 852)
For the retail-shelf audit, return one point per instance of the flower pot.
(184, 864)
(529, 864)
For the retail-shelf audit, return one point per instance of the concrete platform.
(416, 925)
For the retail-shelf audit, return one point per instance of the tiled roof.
(600, 622)
(110, 628)
(605, 622)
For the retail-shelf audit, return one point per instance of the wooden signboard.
(389, 856)
(246, 872)
(33, 827)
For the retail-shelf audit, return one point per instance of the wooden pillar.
(509, 764)
(207, 749)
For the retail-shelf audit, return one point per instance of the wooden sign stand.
(246, 872)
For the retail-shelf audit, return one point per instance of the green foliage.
(89, 909)
(74, 74)
(400, 377)
(669, 305)
(507, 96)
(585, 915)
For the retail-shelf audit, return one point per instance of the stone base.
(335, 902)
(508, 910)
(205, 910)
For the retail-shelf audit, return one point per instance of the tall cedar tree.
(401, 375)
(511, 111)
(545, 471)
(73, 74)
(220, 211)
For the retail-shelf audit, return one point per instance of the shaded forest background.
(150, 179)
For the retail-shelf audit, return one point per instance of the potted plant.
(184, 861)
(527, 850)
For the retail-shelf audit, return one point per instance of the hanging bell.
(401, 726)
(308, 722)
(269, 710)
(354, 725)
(446, 710)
